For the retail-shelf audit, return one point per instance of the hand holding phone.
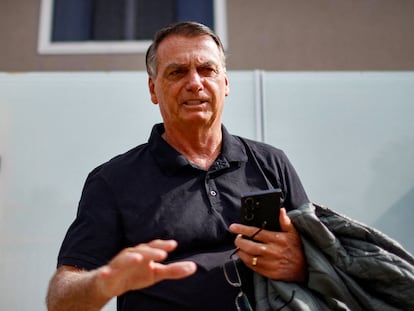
(261, 209)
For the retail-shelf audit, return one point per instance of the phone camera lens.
(250, 206)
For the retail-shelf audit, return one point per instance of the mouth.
(195, 102)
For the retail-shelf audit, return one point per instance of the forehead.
(182, 50)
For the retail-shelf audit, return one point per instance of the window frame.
(47, 47)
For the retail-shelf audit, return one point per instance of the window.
(118, 26)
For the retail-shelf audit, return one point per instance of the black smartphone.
(261, 209)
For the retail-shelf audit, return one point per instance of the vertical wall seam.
(259, 104)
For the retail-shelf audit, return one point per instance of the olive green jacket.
(351, 266)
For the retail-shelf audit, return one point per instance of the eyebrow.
(180, 65)
(174, 65)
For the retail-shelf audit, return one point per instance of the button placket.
(211, 190)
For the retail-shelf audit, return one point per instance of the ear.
(227, 91)
(151, 86)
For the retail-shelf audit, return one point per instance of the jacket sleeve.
(375, 269)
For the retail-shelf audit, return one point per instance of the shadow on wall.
(397, 221)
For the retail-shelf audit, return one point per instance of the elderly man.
(156, 225)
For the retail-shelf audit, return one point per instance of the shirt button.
(213, 193)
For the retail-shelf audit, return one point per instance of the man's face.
(191, 82)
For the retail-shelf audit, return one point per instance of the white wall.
(350, 136)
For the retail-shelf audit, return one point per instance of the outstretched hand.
(275, 255)
(139, 267)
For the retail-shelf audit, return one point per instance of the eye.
(176, 73)
(207, 71)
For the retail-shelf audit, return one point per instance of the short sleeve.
(95, 236)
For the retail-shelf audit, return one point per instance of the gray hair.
(187, 29)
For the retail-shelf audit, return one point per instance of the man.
(156, 225)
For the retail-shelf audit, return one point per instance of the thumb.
(285, 222)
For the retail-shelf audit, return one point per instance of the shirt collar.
(171, 161)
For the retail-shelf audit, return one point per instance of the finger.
(156, 250)
(262, 236)
(132, 258)
(248, 259)
(173, 271)
(166, 245)
(146, 253)
(285, 222)
(242, 229)
(249, 247)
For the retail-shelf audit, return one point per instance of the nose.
(194, 83)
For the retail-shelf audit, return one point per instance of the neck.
(200, 146)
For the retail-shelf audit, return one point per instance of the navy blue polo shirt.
(153, 192)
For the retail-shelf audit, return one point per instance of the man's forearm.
(71, 290)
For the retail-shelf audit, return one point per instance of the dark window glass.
(102, 20)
